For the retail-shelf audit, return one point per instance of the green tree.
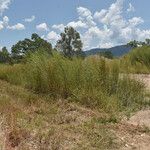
(70, 43)
(147, 41)
(133, 44)
(4, 55)
(27, 46)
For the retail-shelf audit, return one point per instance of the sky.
(101, 23)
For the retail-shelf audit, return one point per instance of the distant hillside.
(116, 51)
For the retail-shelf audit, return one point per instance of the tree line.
(69, 45)
(135, 43)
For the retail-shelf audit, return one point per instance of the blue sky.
(101, 23)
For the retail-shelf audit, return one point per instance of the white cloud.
(42, 27)
(106, 45)
(32, 18)
(112, 16)
(4, 24)
(1, 25)
(52, 36)
(136, 21)
(4, 5)
(105, 28)
(1, 47)
(78, 24)
(5, 20)
(131, 8)
(18, 26)
(100, 15)
(85, 16)
(59, 27)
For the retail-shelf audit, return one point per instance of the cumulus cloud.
(1, 25)
(18, 26)
(52, 37)
(107, 27)
(4, 22)
(131, 8)
(85, 16)
(32, 18)
(136, 21)
(78, 24)
(4, 4)
(42, 27)
(112, 16)
(59, 27)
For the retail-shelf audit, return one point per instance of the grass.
(93, 82)
(66, 125)
(75, 101)
(136, 61)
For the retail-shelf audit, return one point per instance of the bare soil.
(143, 78)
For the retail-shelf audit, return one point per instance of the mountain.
(117, 51)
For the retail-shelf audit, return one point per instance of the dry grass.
(31, 122)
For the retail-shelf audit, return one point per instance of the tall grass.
(137, 61)
(93, 82)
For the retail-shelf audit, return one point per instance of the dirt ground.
(143, 78)
(135, 132)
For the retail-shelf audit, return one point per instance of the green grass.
(76, 101)
(136, 61)
(93, 82)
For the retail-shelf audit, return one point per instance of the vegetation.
(93, 82)
(136, 61)
(4, 56)
(76, 100)
(70, 43)
(27, 46)
(135, 43)
(106, 54)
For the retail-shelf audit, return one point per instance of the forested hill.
(116, 51)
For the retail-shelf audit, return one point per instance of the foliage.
(4, 56)
(93, 82)
(27, 46)
(135, 43)
(136, 61)
(70, 43)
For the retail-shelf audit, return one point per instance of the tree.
(23, 48)
(147, 41)
(4, 55)
(133, 44)
(70, 43)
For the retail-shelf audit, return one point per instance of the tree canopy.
(27, 46)
(4, 55)
(70, 43)
(135, 43)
